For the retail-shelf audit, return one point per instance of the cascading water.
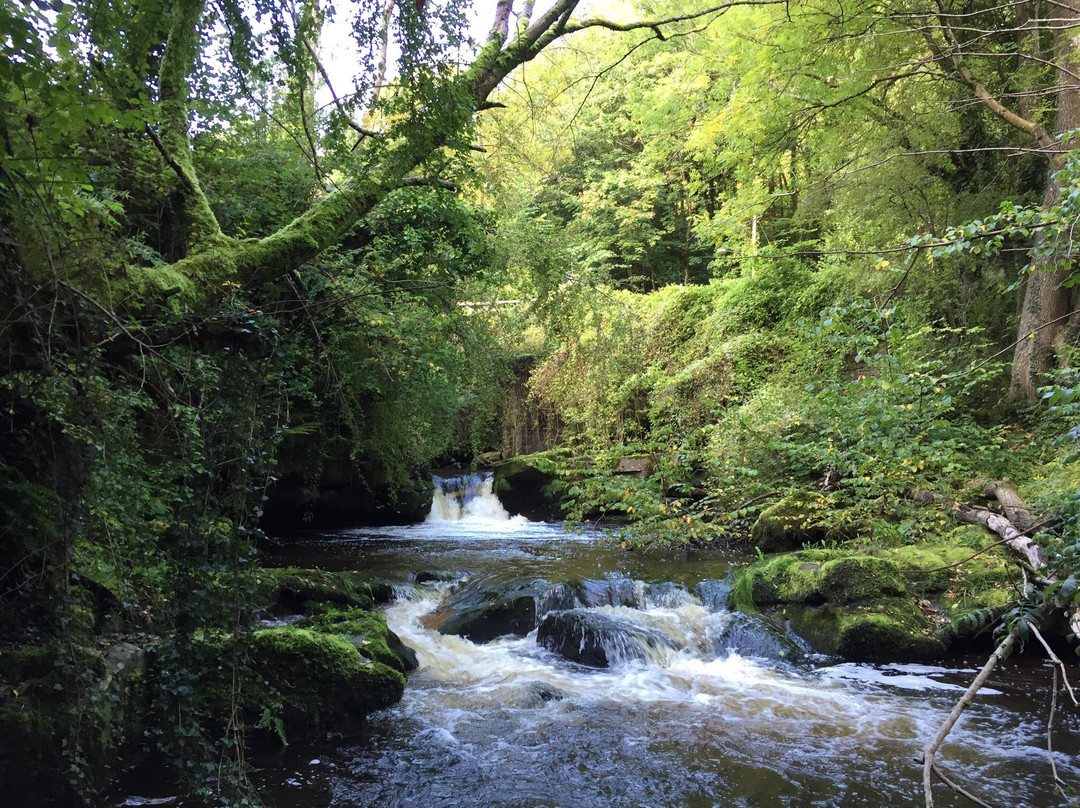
(466, 497)
(681, 702)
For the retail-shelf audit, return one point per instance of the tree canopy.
(772, 245)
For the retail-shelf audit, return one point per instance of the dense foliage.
(770, 249)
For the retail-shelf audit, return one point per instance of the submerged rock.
(665, 596)
(752, 635)
(713, 595)
(531, 695)
(600, 639)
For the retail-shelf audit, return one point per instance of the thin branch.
(380, 74)
(955, 787)
(955, 53)
(182, 175)
(755, 500)
(961, 562)
(1012, 345)
(931, 749)
(351, 121)
(1058, 663)
(655, 24)
(912, 261)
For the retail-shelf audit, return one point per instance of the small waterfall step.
(469, 496)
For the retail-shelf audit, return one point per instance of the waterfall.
(469, 497)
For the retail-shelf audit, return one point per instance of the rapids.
(509, 723)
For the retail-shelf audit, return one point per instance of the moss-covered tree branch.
(181, 50)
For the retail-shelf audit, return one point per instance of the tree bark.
(181, 50)
(1045, 298)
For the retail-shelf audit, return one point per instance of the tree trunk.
(1042, 327)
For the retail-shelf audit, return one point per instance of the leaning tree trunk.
(1044, 324)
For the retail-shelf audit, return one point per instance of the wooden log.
(1024, 546)
(1015, 510)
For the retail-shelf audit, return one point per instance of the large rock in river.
(323, 681)
(753, 635)
(480, 612)
(854, 606)
(599, 638)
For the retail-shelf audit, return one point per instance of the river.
(694, 725)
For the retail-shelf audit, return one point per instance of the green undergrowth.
(768, 388)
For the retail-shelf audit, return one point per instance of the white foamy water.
(470, 499)
(687, 724)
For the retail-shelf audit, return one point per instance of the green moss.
(855, 606)
(367, 631)
(857, 579)
(322, 679)
(818, 576)
(929, 569)
(893, 629)
(795, 521)
(299, 591)
(741, 598)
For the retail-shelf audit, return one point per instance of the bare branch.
(351, 121)
(1057, 663)
(380, 74)
(500, 27)
(928, 761)
(956, 54)
(655, 24)
(526, 14)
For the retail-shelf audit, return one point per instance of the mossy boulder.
(292, 590)
(323, 681)
(793, 522)
(369, 633)
(526, 485)
(891, 630)
(854, 606)
(813, 577)
(71, 719)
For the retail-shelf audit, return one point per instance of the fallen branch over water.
(1032, 556)
(929, 764)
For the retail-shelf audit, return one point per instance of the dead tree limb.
(1005, 492)
(1057, 663)
(931, 749)
(1024, 546)
(963, 792)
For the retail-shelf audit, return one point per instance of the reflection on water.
(510, 724)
